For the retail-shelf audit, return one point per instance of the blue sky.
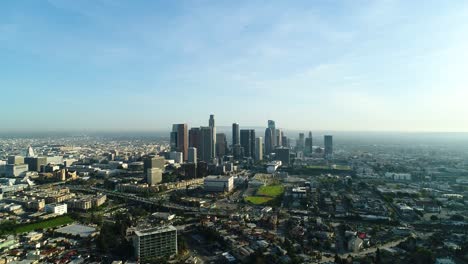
(320, 65)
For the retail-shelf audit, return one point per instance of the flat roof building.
(155, 242)
(218, 183)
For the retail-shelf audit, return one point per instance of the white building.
(218, 183)
(398, 176)
(273, 166)
(59, 209)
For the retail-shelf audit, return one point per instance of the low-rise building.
(59, 209)
(218, 183)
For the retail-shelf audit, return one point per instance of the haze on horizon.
(321, 65)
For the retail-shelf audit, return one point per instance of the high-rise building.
(179, 139)
(235, 134)
(283, 154)
(155, 242)
(279, 137)
(192, 155)
(178, 157)
(301, 142)
(194, 139)
(247, 139)
(211, 124)
(221, 144)
(309, 144)
(285, 141)
(152, 163)
(272, 126)
(259, 148)
(154, 176)
(206, 144)
(328, 142)
(269, 141)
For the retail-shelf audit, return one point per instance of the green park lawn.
(50, 223)
(265, 194)
(271, 190)
(258, 200)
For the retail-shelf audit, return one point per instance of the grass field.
(265, 195)
(257, 200)
(271, 191)
(58, 221)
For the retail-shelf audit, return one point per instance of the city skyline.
(342, 66)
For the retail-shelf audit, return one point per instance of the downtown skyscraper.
(247, 139)
(179, 139)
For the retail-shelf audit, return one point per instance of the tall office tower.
(300, 142)
(192, 155)
(259, 148)
(221, 144)
(155, 242)
(309, 144)
(235, 134)
(211, 124)
(194, 139)
(272, 126)
(283, 154)
(179, 139)
(328, 142)
(206, 144)
(285, 142)
(268, 141)
(154, 176)
(247, 139)
(279, 137)
(237, 151)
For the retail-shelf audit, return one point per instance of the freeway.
(158, 202)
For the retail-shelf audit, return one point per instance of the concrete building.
(279, 137)
(218, 183)
(259, 148)
(192, 155)
(153, 162)
(35, 163)
(15, 160)
(221, 144)
(155, 242)
(59, 209)
(16, 170)
(154, 176)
